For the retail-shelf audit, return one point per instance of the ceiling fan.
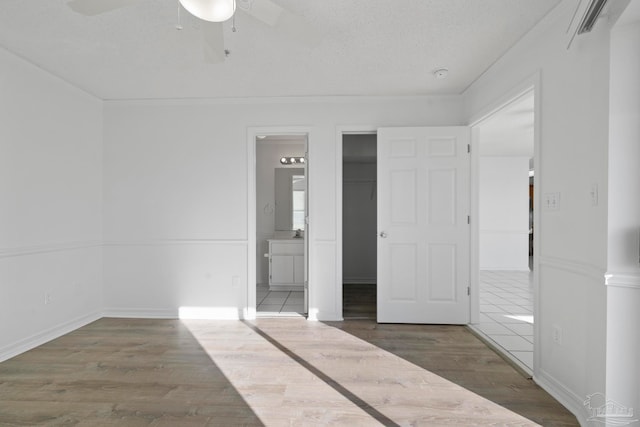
(266, 11)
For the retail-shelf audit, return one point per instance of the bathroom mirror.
(289, 198)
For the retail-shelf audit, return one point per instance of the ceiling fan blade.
(213, 42)
(96, 7)
(287, 23)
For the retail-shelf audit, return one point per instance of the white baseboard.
(204, 313)
(47, 335)
(210, 313)
(141, 313)
(315, 315)
(566, 397)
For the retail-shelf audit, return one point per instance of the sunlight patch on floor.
(522, 317)
(295, 371)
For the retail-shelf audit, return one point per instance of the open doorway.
(359, 226)
(505, 170)
(281, 206)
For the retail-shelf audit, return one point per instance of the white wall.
(176, 195)
(573, 132)
(504, 213)
(268, 156)
(50, 193)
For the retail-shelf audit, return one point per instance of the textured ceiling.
(365, 47)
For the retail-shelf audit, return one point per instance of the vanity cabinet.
(286, 264)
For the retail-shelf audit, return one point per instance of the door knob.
(383, 234)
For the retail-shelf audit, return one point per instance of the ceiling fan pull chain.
(179, 24)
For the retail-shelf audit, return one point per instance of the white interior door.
(423, 230)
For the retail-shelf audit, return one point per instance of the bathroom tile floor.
(279, 303)
(506, 314)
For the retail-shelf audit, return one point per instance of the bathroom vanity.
(286, 264)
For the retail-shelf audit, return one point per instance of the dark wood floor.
(454, 353)
(129, 372)
(359, 301)
(449, 358)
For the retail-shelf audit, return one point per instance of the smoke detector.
(441, 73)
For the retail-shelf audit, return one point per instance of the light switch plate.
(551, 201)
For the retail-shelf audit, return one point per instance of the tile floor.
(506, 313)
(279, 303)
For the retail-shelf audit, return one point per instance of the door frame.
(340, 132)
(530, 84)
(249, 297)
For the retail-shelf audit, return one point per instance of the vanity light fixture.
(292, 160)
(210, 10)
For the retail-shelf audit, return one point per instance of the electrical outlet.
(47, 298)
(556, 333)
(235, 281)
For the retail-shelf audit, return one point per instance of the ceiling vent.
(591, 16)
(584, 18)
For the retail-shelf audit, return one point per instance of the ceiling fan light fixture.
(210, 10)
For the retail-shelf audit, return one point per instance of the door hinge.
(468, 290)
(468, 148)
(468, 219)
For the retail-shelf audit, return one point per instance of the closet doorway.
(359, 226)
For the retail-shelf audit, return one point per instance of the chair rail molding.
(573, 266)
(9, 252)
(173, 242)
(623, 279)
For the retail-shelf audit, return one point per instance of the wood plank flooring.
(289, 372)
(359, 301)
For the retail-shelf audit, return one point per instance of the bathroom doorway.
(281, 212)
